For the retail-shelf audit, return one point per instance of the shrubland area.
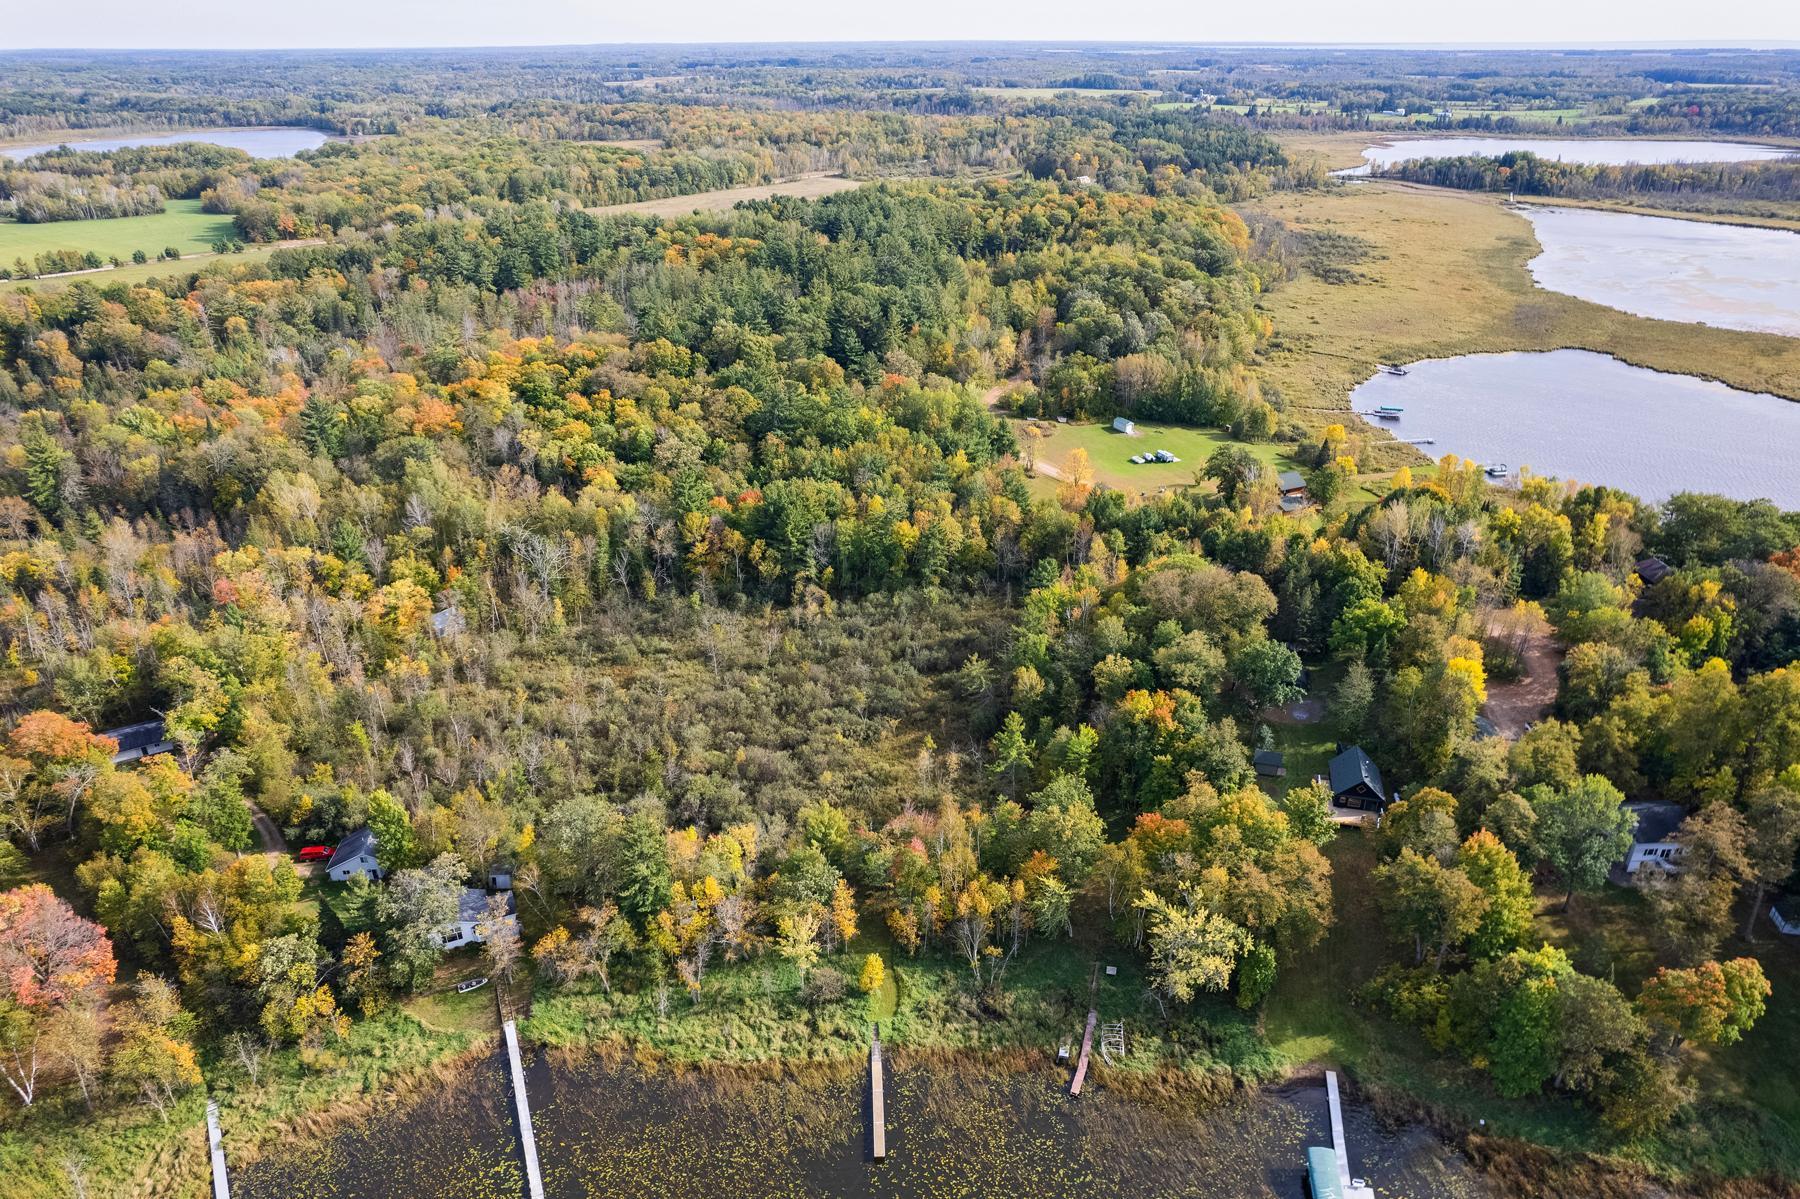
(690, 571)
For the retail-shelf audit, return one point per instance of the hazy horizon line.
(1747, 44)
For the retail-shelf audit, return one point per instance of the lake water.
(273, 142)
(1732, 276)
(1594, 151)
(1586, 416)
(952, 1133)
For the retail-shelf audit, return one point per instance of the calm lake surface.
(952, 1134)
(1580, 415)
(1732, 276)
(1594, 151)
(275, 142)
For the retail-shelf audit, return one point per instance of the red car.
(316, 853)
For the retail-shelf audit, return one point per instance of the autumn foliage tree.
(52, 962)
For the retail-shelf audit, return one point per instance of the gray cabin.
(354, 855)
(471, 926)
(1653, 841)
(145, 739)
(1269, 764)
(1292, 484)
(1356, 781)
(1122, 425)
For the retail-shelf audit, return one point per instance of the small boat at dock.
(1498, 470)
(1390, 369)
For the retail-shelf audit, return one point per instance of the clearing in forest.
(806, 187)
(181, 225)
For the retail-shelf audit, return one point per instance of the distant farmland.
(807, 187)
(182, 226)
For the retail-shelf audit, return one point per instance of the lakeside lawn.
(181, 225)
(1749, 1124)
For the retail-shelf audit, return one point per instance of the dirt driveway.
(1512, 706)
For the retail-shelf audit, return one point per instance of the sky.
(221, 24)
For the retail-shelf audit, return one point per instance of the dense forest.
(690, 572)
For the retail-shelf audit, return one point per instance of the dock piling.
(527, 1140)
(1350, 1188)
(877, 1098)
(215, 1140)
(1087, 1045)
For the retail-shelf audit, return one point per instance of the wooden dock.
(877, 1099)
(1087, 1045)
(215, 1141)
(534, 1181)
(1350, 1188)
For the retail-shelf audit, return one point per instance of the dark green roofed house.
(1356, 781)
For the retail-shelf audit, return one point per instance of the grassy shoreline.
(1446, 276)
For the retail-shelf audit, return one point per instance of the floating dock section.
(216, 1142)
(1087, 1045)
(877, 1099)
(534, 1181)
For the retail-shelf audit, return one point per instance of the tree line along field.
(181, 226)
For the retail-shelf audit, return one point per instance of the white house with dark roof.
(1653, 841)
(471, 919)
(354, 855)
(1784, 914)
(145, 739)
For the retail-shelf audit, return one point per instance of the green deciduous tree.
(1582, 831)
(1192, 948)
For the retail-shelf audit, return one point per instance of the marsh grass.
(126, 1149)
(1446, 276)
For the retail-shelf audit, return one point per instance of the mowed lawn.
(1110, 453)
(182, 226)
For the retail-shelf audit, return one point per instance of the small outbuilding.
(354, 856)
(1356, 781)
(447, 622)
(1653, 839)
(1292, 483)
(1269, 763)
(1653, 571)
(145, 739)
(1122, 425)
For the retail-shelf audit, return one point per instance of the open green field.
(133, 272)
(1049, 444)
(1110, 453)
(181, 225)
